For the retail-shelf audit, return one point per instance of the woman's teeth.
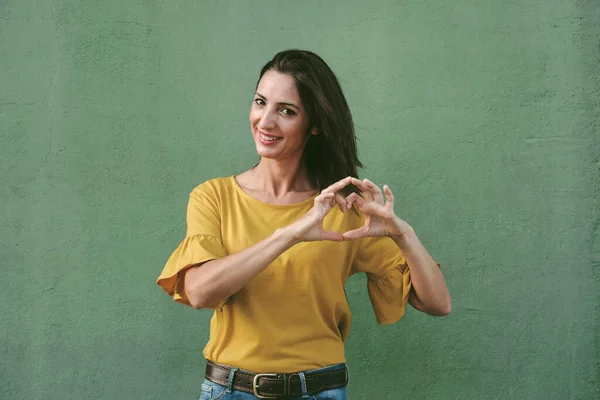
(269, 138)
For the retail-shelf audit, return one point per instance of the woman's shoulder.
(215, 186)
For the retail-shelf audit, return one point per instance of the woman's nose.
(267, 120)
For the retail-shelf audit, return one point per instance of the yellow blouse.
(293, 316)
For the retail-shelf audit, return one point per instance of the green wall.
(482, 116)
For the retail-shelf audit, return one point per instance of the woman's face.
(277, 118)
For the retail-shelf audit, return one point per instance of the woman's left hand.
(380, 219)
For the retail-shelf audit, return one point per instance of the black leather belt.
(274, 386)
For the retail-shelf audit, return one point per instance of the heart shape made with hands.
(380, 219)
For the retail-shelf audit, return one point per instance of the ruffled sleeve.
(388, 277)
(389, 295)
(202, 242)
(191, 251)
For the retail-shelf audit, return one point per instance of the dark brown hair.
(331, 154)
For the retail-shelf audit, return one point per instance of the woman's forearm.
(208, 284)
(429, 285)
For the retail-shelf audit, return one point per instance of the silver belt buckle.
(255, 385)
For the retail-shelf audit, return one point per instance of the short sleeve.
(388, 277)
(202, 243)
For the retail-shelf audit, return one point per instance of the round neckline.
(237, 187)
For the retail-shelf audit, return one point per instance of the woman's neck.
(277, 178)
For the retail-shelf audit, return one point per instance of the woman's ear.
(314, 131)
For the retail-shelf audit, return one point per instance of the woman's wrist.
(402, 230)
(286, 237)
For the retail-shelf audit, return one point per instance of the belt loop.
(230, 380)
(303, 385)
(347, 372)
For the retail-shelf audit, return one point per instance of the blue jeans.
(214, 391)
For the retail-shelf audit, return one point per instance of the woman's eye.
(287, 111)
(259, 102)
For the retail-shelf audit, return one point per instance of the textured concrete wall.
(481, 115)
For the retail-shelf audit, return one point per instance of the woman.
(271, 248)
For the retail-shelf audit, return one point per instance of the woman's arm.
(429, 291)
(208, 284)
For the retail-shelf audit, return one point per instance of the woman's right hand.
(309, 227)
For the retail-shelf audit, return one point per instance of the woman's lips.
(267, 139)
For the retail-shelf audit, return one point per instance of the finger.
(337, 186)
(351, 199)
(364, 187)
(354, 234)
(341, 202)
(359, 201)
(332, 200)
(359, 184)
(324, 199)
(389, 196)
(355, 199)
(333, 236)
(369, 207)
(375, 191)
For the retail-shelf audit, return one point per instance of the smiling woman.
(278, 120)
(271, 248)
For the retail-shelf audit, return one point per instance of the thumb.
(330, 235)
(354, 234)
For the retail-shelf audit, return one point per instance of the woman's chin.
(265, 152)
(267, 156)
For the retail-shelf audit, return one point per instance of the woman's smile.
(267, 139)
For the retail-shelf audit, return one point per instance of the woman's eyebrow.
(281, 103)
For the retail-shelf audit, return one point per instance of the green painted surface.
(482, 116)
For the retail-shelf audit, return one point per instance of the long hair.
(331, 154)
